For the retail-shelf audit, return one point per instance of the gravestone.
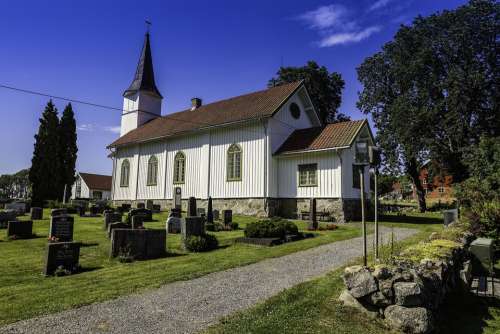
(313, 221)
(178, 198)
(216, 214)
(61, 228)
(174, 212)
(36, 213)
(210, 212)
(141, 206)
(111, 217)
(63, 255)
(191, 210)
(125, 207)
(173, 224)
(138, 221)
(149, 204)
(80, 210)
(6, 216)
(156, 208)
(20, 229)
(18, 207)
(200, 212)
(192, 226)
(148, 215)
(112, 226)
(228, 216)
(94, 210)
(58, 212)
(141, 244)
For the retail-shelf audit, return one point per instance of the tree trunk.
(413, 172)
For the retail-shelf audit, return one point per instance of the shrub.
(439, 249)
(234, 226)
(273, 228)
(202, 243)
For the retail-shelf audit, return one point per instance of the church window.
(179, 167)
(152, 171)
(308, 175)
(234, 163)
(124, 175)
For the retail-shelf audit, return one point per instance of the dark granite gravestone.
(140, 244)
(6, 216)
(174, 224)
(138, 221)
(80, 210)
(210, 212)
(228, 216)
(148, 215)
(64, 255)
(313, 221)
(94, 210)
(192, 226)
(20, 229)
(112, 226)
(174, 212)
(149, 204)
(178, 198)
(58, 212)
(141, 206)
(216, 214)
(200, 212)
(18, 207)
(156, 208)
(61, 228)
(111, 217)
(36, 213)
(125, 207)
(191, 209)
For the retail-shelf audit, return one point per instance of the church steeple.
(144, 80)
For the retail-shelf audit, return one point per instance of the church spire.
(144, 79)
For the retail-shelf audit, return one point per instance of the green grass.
(312, 307)
(25, 293)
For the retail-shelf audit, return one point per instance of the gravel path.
(191, 306)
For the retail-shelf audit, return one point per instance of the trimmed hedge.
(273, 228)
(204, 243)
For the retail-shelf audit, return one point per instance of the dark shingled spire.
(144, 79)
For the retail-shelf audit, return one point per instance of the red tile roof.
(251, 106)
(318, 138)
(96, 181)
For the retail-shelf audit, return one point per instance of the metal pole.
(64, 196)
(376, 214)
(363, 222)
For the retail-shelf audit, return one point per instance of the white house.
(263, 153)
(91, 186)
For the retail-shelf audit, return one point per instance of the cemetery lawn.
(26, 293)
(312, 307)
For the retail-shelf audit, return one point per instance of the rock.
(348, 300)
(416, 320)
(385, 286)
(408, 294)
(381, 272)
(379, 299)
(466, 274)
(359, 281)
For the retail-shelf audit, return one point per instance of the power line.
(32, 92)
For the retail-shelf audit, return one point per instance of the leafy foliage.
(15, 185)
(272, 228)
(203, 243)
(325, 88)
(68, 148)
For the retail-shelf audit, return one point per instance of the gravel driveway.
(191, 306)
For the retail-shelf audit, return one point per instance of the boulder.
(379, 299)
(415, 320)
(381, 272)
(348, 300)
(408, 294)
(359, 281)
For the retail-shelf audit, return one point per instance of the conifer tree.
(44, 174)
(67, 149)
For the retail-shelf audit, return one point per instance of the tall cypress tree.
(44, 173)
(68, 149)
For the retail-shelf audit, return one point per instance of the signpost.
(374, 155)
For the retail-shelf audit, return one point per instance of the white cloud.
(379, 4)
(112, 129)
(89, 127)
(325, 17)
(348, 37)
(85, 127)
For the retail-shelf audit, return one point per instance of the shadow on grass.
(88, 269)
(464, 312)
(88, 244)
(409, 219)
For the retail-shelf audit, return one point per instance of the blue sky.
(88, 50)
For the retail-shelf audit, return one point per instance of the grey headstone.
(36, 213)
(175, 213)
(19, 207)
(173, 225)
(111, 217)
(149, 204)
(61, 228)
(62, 254)
(20, 229)
(138, 221)
(156, 208)
(191, 210)
(58, 212)
(192, 226)
(228, 216)
(178, 198)
(141, 206)
(200, 212)
(112, 226)
(139, 243)
(216, 214)
(144, 212)
(6, 216)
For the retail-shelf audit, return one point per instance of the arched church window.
(124, 174)
(234, 163)
(179, 168)
(152, 171)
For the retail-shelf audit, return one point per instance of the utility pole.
(363, 220)
(376, 211)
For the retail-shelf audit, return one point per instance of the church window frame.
(152, 177)
(124, 173)
(179, 168)
(308, 175)
(234, 163)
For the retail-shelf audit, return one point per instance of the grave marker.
(141, 244)
(216, 214)
(174, 224)
(191, 210)
(58, 212)
(18, 207)
(149, 204)
(138, 221)
(141, 206)
(178, 198)
(192, 226)
(228, 216)
(61, 228)
(6, 216)
(20, 229)
(111, 217)
(112, 226)
(36, 213)
(63, 255)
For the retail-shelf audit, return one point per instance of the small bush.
(273, 228)
(439, 249)
(234, 226)
(202, 243)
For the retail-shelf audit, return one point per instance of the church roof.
(96, 181)
(144, 79)
(247, 107)
(334, 135)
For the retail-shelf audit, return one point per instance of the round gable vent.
(295, 110)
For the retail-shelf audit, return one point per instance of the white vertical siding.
(147, 151)
(328, 175)
(125, 193)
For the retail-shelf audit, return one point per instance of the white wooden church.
(264, 153)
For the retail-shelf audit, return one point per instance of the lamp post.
(362, 160)
(374, 157)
